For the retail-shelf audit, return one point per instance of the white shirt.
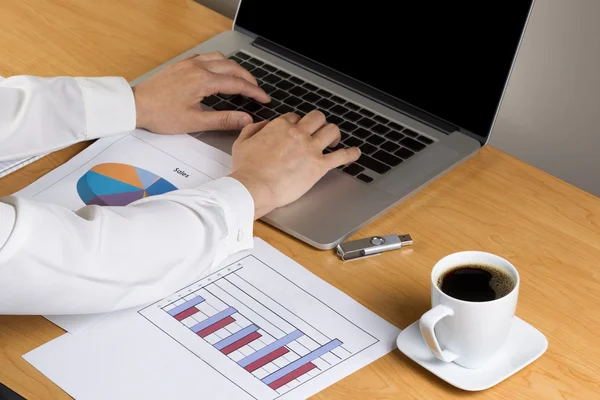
(100, 259)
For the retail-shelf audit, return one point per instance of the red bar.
(276, 384)
(216, 326)
(240, 343)
(186, 313)
(266, 359)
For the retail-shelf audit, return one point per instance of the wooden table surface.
(548, 229)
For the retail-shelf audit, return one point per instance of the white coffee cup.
(468, 333)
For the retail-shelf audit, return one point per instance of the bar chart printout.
(263, 338)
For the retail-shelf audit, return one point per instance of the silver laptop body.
(340, 203)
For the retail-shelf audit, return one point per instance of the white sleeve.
(40, 115)
(100, 259)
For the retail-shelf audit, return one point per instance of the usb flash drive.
(371, 246)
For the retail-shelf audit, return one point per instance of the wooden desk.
(495, 203)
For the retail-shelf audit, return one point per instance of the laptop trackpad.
(418, 170)
(219, 139)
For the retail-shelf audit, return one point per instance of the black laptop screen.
(448, 58)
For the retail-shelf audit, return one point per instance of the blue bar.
(188, 304)
(290, 337)
(211, 320)
(301, 361)
(235, 337)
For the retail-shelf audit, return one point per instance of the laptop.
(416, 85)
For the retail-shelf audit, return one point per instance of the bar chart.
(258, 329)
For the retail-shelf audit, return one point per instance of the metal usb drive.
(372, 246)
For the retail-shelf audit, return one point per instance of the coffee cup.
(473, 298)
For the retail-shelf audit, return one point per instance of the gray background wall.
(549, 117)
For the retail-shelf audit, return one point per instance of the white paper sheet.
(159, 154)
(260, 327)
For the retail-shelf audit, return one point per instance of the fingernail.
(244, 120)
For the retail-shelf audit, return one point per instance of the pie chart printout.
(114, 184)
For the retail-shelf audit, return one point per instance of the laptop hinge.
(354, 85)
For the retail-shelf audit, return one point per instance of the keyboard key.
(268, 88)
(272, 104)
(380, 129)
(239, 100)
(283, 109)
(279, 95)
(269, 68)
(352, 141)
(237, 60)
(298, 91)
(361, 133)
(300, 114)
(282, 74)
(395, 126)
(310, 86)
(404, 153)
(352, 106)
(381, 120)
(366, 122)
(366, 113)
(306, 107)
(348, 126)
(373, 164)
(338, 99)
(259, 73)
(375, 140)
(224, 106)
(395, 136)
(243, 56)
(387, 158)
(285, 85)
(266, 113)
(293, 101)
(367, 148)
(410, 133)
(311, 97)
(248, 66)
(412, 144)
(271, 79)
(256, 62)
(323, 93)
(353, 169)
(297, 81)
(256, 118)
(343, 136)
(352, 116)
(326, 113)
(340, 110)
(334, 119)
(252, 107)
(390, 146)
(365, 178)
(324, 103)
(211, 100)
(424, 139)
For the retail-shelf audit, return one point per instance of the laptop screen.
(449, 58)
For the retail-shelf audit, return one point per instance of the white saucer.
(524, 345)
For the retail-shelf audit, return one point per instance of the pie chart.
(114, 184)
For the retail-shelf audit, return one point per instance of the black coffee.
(476, 283)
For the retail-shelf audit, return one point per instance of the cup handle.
(427, 325)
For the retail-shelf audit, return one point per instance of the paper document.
(142, 164)
(260, 327)
(8, 167)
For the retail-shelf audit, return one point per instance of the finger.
(217, 55)
(251, 130)
(228, 84)
(292, 118)
(230, 67)
(222, 120)
(341, 157)
(312, 122)
(326, 136)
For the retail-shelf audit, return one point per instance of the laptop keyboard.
(384, 144)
